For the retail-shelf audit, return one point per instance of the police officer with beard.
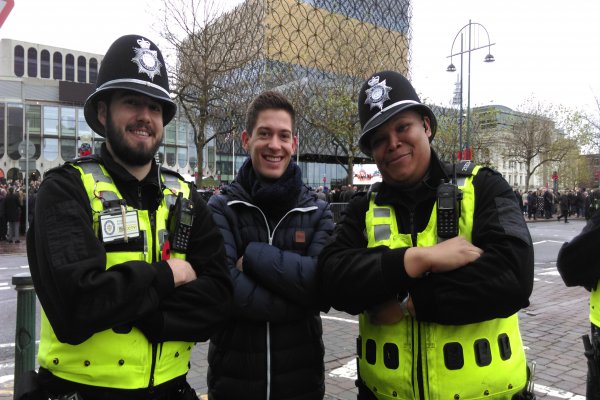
(125, 258)
(436, 261)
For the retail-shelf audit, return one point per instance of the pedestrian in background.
(540, 202)
(3, 222)
(274, 228)
(429, 286)
(532, 205)
(12, 213)
(126, 260)
(564, 205)
(580, 201)
(548, 203)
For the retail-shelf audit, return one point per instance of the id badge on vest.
(118, 227)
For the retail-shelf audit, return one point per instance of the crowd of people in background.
(16, 204)
(545, 203)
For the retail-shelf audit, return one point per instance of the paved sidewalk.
(13, 248)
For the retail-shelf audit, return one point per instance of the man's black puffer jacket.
(272, 348)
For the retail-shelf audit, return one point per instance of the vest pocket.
(453, 356)
(483, 352)
(390, 356)
(504, 346)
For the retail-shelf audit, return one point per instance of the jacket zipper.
(421, 388)
(419, 365)
(151, 383)
(271, 236)
(152, 216)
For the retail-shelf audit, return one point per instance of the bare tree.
(446, 140)
(216, 72)
(535, 140)
(590, 138)
(573, 170)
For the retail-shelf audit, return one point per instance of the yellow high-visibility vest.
(110, 359)
(595, 305)
(483, 360)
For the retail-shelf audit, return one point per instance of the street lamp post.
(468, 28)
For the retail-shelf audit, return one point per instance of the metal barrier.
(336, 209)
(25, 330)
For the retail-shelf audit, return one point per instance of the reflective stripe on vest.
(110, 359)
(474, 361)
(595, 305)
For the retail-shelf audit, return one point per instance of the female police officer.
(436, 260)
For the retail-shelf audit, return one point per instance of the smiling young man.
(124, 297)
(274, 228)
(438, 306)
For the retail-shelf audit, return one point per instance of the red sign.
(324, 179)
(465, 154)
(5, 7)
(598, 174)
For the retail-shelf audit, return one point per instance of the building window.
(67, 122)
(57, 66)
(50, 121)
(83, 129)
(50, 149)
(67, 133)
(67, 149)
(70, 68)
(33, 122)
(93, 70)
(182, 156)
(32, 62)
(15, 130)
(45, 64)
(170, 134)
(19, 61)
(171, 155)
(81, 69)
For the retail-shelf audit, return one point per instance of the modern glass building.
(42, 92)
(43, 89)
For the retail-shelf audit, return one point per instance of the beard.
(136, 156)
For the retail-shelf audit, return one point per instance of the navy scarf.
(274, 197)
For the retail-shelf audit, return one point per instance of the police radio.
(181, 217)
(448, 211)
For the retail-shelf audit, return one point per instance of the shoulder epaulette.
(85, 159)
(167, 171)
(171, 178)
(374, 188)
(465, 168)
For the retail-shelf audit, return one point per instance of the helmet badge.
(146, 59)
(378, 93)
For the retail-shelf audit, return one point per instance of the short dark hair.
(269, 100)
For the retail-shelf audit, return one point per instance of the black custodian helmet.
(131, 63)
(383, 95)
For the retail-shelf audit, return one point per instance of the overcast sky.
(547, 49)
